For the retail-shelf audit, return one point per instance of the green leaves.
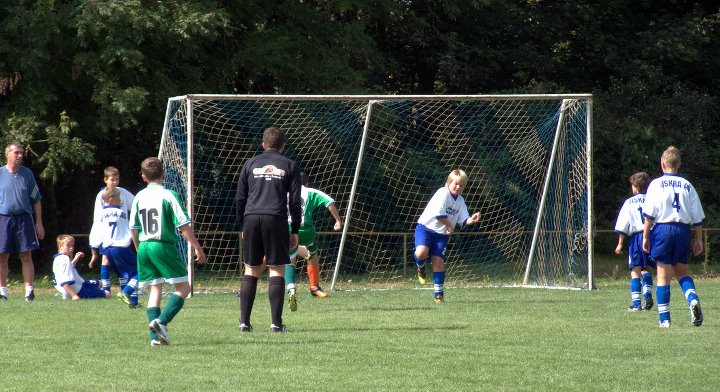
(52, 145)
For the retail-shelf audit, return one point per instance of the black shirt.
(269, 184)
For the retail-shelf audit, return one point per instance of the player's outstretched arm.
(338, 220)
(475, 218)
(187, 232)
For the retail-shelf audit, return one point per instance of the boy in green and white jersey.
(155, 218)
(307, 247)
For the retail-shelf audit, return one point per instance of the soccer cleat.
(245, 328)
(665, 324)
(30, 297)
(633, 308)
(280, 329)
(422, 275)
(696, 315)
(439, 299)
(319, 292)
(124, 298)
(160, 330)
(648, 302)
(3, 298)
(156, 342)
(292, 300)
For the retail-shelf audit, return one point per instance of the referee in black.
(268, 186)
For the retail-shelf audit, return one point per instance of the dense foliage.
(85, 82)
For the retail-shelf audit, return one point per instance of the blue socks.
(105, 277)
(662, 294)
(420, 263)
(439, 283)
(688, 288)
(647, 284)
(635, 292)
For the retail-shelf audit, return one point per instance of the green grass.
(480, 339)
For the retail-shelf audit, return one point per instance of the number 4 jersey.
(157, 213)
(672, 199)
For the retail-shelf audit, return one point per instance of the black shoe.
(280, 329)
(246, 328)
(649, 302)
(3, 298)
(696, 315)
(30, 297)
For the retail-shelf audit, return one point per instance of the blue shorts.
(436, 242)
(123, 261)
(636, 256)
(17, 233)
(91, 289)
(670, 243)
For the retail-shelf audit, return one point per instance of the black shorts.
(266, 235)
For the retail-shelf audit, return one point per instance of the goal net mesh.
(384, 157)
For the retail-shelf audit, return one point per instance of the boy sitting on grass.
(65, 276)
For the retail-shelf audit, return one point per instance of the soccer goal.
(528, 158)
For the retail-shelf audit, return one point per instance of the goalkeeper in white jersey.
(673, 205)
(630, 224)
(113, 232)
(445, 210)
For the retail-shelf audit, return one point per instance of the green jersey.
(311, 199)
(157, 213)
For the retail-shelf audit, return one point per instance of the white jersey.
(630, 219)
(672, 199)
(444, 205)
(126, 199)
(64, 272)
(157, 214)
(113, 229)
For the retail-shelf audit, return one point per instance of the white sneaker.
(665, 324)
(156, 342)
(160, 330)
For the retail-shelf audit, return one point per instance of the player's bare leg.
(3, 275)
(28, 272)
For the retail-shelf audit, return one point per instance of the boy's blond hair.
(458, 175)
(62, 239)
(152, 168)
(111, 171)
(671, 157)
(108, 194)
(640, 181)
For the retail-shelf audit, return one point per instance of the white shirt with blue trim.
(672, 199)
(444, 205)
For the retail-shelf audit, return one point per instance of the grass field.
(480, 339)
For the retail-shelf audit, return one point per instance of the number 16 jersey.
(157, 213)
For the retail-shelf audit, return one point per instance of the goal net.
(382, 158)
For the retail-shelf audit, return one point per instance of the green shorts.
(160, 262)
(306, 239)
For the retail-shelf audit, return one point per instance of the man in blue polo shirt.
(19, 232)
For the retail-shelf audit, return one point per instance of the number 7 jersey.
(157, 213)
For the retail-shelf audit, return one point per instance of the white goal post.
(381, 157)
